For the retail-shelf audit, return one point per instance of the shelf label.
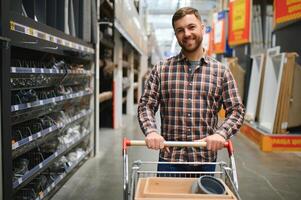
(30, 31)
(13, 69)
(12, 26)
(42, 71)
(16, 107)
(30, 138)
(40, 165)
(20, 180)
(39, 134)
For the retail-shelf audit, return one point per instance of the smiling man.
(190, 89)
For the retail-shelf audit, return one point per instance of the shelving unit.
(48, 78)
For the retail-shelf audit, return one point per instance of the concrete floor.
(275, 176)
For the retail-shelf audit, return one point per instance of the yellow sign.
(239, 10)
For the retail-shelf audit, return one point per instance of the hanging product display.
(239, 22)
(286, 11)
(220, 30)
(206, 40)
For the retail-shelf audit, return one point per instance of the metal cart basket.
(141, 170)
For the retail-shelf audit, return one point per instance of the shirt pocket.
(210, 93)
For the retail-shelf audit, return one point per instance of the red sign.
(286, 10)
(219, 24)
(239, 22)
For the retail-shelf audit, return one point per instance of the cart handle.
(127, 143)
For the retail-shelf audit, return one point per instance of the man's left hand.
(214, 142)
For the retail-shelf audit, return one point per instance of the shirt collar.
(182, 57)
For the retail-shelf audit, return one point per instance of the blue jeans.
(183, 168)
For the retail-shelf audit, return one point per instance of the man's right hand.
(154, 141)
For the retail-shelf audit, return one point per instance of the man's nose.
(187, 33)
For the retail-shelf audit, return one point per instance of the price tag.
(53, 185)
(13, 70)
(55, 154)
(40, 165)
(20, 180)
(42, 71)
(39, 134)
(41, 102)
(31, 31)
(33, 70)
(51, 39)
(12, 26)
(16, 107)
(30, 138)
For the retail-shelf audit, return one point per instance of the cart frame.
(228, 173)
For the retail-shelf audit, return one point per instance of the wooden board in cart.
(167, 188)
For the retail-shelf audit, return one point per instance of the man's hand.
(215, 142)
(154, 141)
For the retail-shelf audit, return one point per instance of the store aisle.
(261, 175)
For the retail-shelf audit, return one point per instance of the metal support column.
(130, 92)
(117, 82)
(6, 156)
(96, 87)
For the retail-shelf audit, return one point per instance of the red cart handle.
(127, 143)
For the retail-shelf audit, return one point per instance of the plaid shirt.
(189, 105)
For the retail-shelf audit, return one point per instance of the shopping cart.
(142, 170)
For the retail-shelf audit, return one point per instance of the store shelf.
(28, 33)
(44, 102)
(49, 130)
(61, 177)
(44, 164)
(24, 70)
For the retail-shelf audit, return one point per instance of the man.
(190, 89)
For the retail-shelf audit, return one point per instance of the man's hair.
(183, 12)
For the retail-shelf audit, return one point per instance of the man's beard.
(198, 44)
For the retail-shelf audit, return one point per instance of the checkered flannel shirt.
(189, 105)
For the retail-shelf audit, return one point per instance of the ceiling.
(159, 15)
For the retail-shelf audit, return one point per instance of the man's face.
(189, 32)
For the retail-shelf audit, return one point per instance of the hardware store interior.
(73, 122)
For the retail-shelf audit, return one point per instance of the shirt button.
(188, 114)
(190, 84)
(189, 99)
(189, 129)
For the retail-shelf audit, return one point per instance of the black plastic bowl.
(209, 185)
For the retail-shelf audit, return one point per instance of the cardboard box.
(166, 188)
